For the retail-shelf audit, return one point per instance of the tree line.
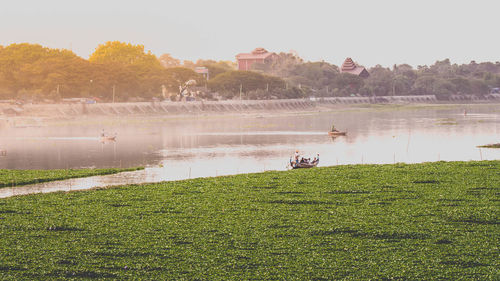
(119, 71)
(442, 79)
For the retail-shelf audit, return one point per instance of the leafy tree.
(124, 54)
(178, 76)
(443, 88)
(167, 61)
(424, 85)
(215, 67)
(33, 71)
(231, 82)
(144, 65)
(188, 64)
(347, 84)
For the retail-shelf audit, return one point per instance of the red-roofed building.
(350, 67)
(259, 55)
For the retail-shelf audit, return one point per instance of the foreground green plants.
(422, 221)
(12, 178)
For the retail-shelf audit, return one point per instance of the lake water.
(199, 146)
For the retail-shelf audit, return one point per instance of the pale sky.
(372, 32)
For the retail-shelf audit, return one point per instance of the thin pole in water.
(408, 144)
(481, 154)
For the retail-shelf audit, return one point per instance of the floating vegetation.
(430, 221)
(447, 121)
(493, 145)
(12, 178)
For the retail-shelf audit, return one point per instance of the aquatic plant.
(13, 178)
(493, 145)
(410, 222)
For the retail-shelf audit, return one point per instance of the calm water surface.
(189, 147)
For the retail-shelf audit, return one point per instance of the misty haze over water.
(231, 144)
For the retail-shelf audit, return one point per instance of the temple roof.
(350, 67)
(257, 53)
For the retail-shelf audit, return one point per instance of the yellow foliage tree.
(116, 52)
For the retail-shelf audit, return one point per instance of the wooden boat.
(302, 165)
(336, 133)
(305, 165)
(108, 138)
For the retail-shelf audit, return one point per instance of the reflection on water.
(174, 149)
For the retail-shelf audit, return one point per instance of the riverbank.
(168, 108)
(46, 119)
(14, 178)
(419, 221)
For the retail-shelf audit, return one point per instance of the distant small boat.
(105, 137)
(108, 138)
(336, 133)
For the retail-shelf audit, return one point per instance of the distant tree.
(315, 75)
(479, 87)
(424, 85)
(145, 66)
(381, 81)
(124, 54)
(462, 85)
(178, 76)
(34, 72)
(231, 82)
(347, 84)
(168, 61)
(215, 67)
(188, 64)
(405, 70)
(442, 68)
(443, 88)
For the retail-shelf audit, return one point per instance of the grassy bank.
(420, 221)
(12, 178)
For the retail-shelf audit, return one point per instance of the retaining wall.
(195, 107)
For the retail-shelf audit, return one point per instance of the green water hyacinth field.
(428, 221)
(10, 178)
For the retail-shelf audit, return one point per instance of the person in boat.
(316, 159)
(334, 129)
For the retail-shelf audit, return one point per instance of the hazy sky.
(372, 32)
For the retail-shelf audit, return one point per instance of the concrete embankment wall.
(163, 108)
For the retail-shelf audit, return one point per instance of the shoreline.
(12, 121)
(99, 182)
